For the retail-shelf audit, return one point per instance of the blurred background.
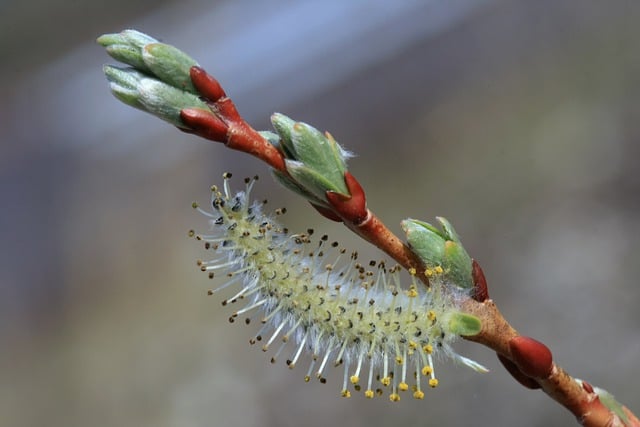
(517, 120)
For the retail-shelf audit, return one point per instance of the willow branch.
(167, 83)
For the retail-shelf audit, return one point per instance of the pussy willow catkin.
(318, 299)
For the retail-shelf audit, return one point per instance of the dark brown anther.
(351, 208)
(206, 85)
(517, 374)
(205, 124)
(532, 357)
(480, 290)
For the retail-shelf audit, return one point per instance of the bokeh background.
(517, 120)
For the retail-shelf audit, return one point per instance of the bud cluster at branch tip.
(169, 84)
(158, 78)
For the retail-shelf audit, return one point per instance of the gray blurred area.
(517, 120)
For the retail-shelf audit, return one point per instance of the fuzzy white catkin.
(322, 300)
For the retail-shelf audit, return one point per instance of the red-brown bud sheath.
(532, 357)
(205, 84)
(517, 374)
(205, 124)
(327, 213)
(351, 208)
(480, 290)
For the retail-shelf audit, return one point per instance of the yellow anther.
(418, 394)
(403, 386)
(307, 378)
(426, 370)
(438, 270)
(369, 394)
(412, 292)
(399, 360)
(428, 349)
(433, 383)
(431, 315)
(394, 397)
(428, 272)
(413, 345)
(412, 271)
(345, 393)
(354, 379)
(385, 381)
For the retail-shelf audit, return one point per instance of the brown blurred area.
(517, 120)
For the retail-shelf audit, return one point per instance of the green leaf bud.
(148, 94)
(321, 154)
(292, 185)
(448, 232)
(458, 264)
(464, 324)
(166, 101)
(426, 241)
(136, 38)
(170, 65)
(124, 84)
(315, 161)
(440, 248)
(312, 181)
(284, 125)
(127, 47)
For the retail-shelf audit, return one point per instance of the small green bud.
(315, 161)
(128, 78)
(127, 47)
(292, 185)
(136, 38)
(124, 84)
(448, 232)
(425, 240)
(440, 248)
(464, 324)
(458, 264)
(320, 154)
(146, 54)
(311, 180)
(129, 55)
(170, 65)
(148, 94)
(111, 39)
(283, 126)
(166, 101)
